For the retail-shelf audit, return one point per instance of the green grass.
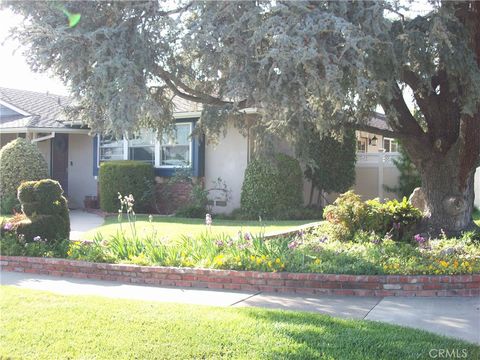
(42, 325)
(173, 227)
(476, 216)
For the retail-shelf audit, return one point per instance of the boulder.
(417, 199)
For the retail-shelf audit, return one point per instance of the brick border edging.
(299, 283)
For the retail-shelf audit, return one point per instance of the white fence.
(374, 171)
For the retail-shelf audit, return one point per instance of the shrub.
(197, 204)
(20, 161)
(45, 212)
(349, 215)
(125, 177)
(271, 187)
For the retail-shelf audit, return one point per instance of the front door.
(60, 160)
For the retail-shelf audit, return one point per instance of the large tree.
(322, 63)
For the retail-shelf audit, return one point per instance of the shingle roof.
(45, 110)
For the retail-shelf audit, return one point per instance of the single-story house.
(73, 153)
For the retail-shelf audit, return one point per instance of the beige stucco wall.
(228, 160)
(81, 181)
(6, 138)
(477, 188)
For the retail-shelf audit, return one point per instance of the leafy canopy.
(326, 63)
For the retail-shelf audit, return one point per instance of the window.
(141, 147)
(390, 145)
(362, 145)
(176, 147)
(111, 148)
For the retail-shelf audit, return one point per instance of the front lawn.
(173, 227)
(42, 325)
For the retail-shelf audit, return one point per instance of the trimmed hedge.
(126, 177)
(45, 211)
(272, 187)
(20, 161)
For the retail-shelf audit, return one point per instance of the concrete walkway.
(455, 317)
(81, 222)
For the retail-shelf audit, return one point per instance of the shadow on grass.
(323, 337)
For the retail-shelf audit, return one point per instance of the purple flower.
(293, 244)
(419, 239)
(37, 239)
(230, 243)
(323, 239)
(219, 243)
(8, 226)
(376, 241)
(247, 236)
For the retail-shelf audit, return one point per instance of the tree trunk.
(447, 167)
(449, 200)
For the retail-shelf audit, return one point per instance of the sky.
(14, 70)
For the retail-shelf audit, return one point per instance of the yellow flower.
(466, 264)
(259, 261)
(252, 258)
(444, 263)
(269, 264)
(455, 264)
(278, 261)
(318, 261)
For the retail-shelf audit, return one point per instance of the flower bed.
(300, 283)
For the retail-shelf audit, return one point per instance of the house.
(73, 153)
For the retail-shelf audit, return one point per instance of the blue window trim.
(198, 154)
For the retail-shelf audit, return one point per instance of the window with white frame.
(173, 150)
(390, 145)
(141, 146)
(176, 147)
(362, 145)
(111, 148)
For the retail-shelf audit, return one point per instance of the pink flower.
(8, 226)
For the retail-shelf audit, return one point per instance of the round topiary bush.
(272, 187)
(20, 161)
(125, 177)
(45, 211)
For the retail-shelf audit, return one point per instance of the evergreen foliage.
(272, 187)
(45, 212)
(125, 177)
(409, 178)
(332, 159)
(20, 161)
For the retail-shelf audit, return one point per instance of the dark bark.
(448, 177)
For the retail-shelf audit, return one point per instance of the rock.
(417, 199)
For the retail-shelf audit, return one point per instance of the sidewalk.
(81, 222)
(455, 317)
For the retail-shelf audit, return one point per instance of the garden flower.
(219, 243)
(8, 226)
(37, 238)
(208, 219)
(419, 239)
(150, 218)
(247, 236)
(293, 244)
